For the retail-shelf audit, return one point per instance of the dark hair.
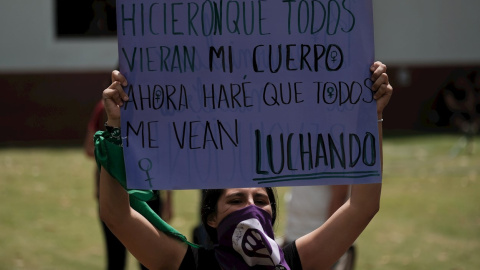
(210, 199)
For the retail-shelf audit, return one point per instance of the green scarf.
(109, 154)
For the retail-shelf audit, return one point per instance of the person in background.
(116, 251)
(308, 207)
(200, 235)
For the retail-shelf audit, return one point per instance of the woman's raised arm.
(321, 248)
(151, 247)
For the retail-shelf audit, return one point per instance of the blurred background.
(56, 57)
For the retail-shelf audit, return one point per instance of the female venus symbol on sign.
(334, 59)
(146, 169)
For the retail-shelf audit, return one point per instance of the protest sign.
(247, 93)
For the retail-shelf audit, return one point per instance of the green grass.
(430, 212)
(429, 217)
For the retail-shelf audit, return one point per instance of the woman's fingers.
(121, 82)
(383, 100)
(381, 85)
(115, 93)
(114, 97)
(117, 76)
(383, 90)
(377, 69)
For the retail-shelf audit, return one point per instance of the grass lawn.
(429, 217)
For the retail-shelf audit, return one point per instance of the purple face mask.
(246, 241)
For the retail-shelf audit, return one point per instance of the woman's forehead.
(231, 191)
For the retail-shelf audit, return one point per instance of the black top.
(203, 259)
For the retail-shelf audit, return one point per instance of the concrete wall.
(29, 43)
(427, 32)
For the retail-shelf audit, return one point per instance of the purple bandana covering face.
(246, 241)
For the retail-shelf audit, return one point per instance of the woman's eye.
(261, 203)
(235, 201)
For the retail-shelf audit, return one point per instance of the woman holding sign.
(239, 220)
